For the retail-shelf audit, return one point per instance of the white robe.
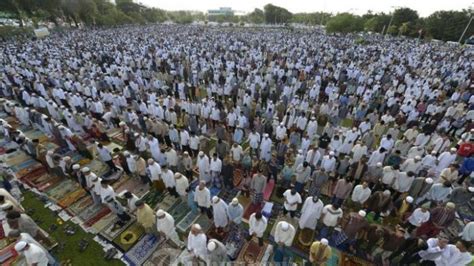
(220, 214)
(284, 236)
(154, 149)
(181, 185)
(360, 194)
(202, 197)
(310, 213)
(155, 171)
(266, 149)
(197, 245)
(257, 226)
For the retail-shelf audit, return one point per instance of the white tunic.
(181, 185)
(285, 237)
(220, 214)
(197, 244)
(291, 201)
(310, 213)
(360, 194)
(257, 226)
(202, 197)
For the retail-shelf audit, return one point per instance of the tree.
(257, 16)
(345, 23)
(403, 15)
(377, 22)
(317, 18)
(276, 14)
(448, 25)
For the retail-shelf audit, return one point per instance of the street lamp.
(391, 19)
(465, 29)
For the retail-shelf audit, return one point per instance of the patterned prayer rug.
(103, 222)
(167, 202)
(188, 220)
(99, 215)
(228, 195)
(79, 206)
(28, 164)
(61, 189)
(304, 239)
(267, 192)
(219, 235)
(235, 240)
(72, 197)
(110, 231)
(153, 197)
(251, 253)
(165, 254)
(131, 184)
(90, 211)
(97, 167)
(142, 250)
(127, 239)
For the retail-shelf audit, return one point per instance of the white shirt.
(291, 201)
(418, 217)
(330, 219)
(257, 226)
(360, 194)
(35, 255)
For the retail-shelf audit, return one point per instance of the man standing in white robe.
(310, 212)
(202, 197)
(197, 242)
(165, 225)
(284, 234)
(203, 166)
(445, 159)
(266, 148)
(257, 226)
(154, 147)
(219, 208)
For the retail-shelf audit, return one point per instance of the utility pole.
(465, 30)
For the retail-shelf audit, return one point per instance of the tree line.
(442, 25)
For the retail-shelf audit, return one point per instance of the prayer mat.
(84, 161)
(252, 253)
(62, 189)
(214, 191)
(153, 197)
(188, 220)
(119, 139)
(267, 192)
(110, 231)
(127, 239)
(103, 222)
(251, 209)
(204, 222)
(97, 167)
(50, 182)
(179, 210)
(34, 134)
(213, 233)
(227, 195)
(143, 249)
(72, 197)
(347, 259)
(244, 201)
(235, 240)
(111, 175)
(28, 164)
(111, 146)
(90, 211)
(165, 254)
(31, 173)
(166, 203)
(134, 185)
(99, 215)
(80, 205)
(238, 177)
(304, 239)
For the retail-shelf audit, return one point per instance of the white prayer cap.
(50, 152)
(472, 129)
(453, 149)
(429, 180)
(409, 199)
(354, 128)
(417, 157)
(471, 189)
(160, 213)
(282, 124)
(235, 201)
(265, 135)
(201, 153)
(136, 134)
(284, 226)
(176, 175)
(76, 166)
(85, 169)
(386, 192)
(433, 152)
(67, 158)
(151, 160)
(300, 151)
(185, 153)
(379, 164)
(126, 153)
(362, 213)
(122, 123)
(211, 246)
(331, 153)
(450, 205)
(6, 206)
(324, 241)
(215, 199)
(197, 227)
(20, 246)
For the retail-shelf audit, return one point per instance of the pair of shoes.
(83, 244)
(109, 254)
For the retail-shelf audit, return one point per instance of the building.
(222, 11)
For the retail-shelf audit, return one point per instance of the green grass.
(93, 255)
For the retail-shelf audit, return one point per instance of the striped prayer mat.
(72, 197)
(165, 254)
(179, 210)
(61, 189)
(251, 209)
(79, 206)
(143, 249)
(110, 230)
(204, 222)
(99, 215)
(104, 222)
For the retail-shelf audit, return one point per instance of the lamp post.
(465, 29)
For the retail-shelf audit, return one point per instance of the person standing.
(202, 196)
(197, 242)
(106, 156)
(284, 234)
(34, 254)
(310, 213)
(165, 226)
(257, 185)
(257, 226)
(217, 252)
(146, 216)
(235, 211)
(219, 209)
(292, 199)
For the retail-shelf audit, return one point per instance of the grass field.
(69, 254)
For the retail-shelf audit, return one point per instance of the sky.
(424, 7)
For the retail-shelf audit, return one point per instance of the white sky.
(424, 7)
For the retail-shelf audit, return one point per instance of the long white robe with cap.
(202, 197)
(257, 226)
(266, 149)
(220, 213)
(444, 160)
(197, 244)
(310, 213)
(154, 149)
(286, 237)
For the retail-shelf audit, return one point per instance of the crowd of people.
(369, 145)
